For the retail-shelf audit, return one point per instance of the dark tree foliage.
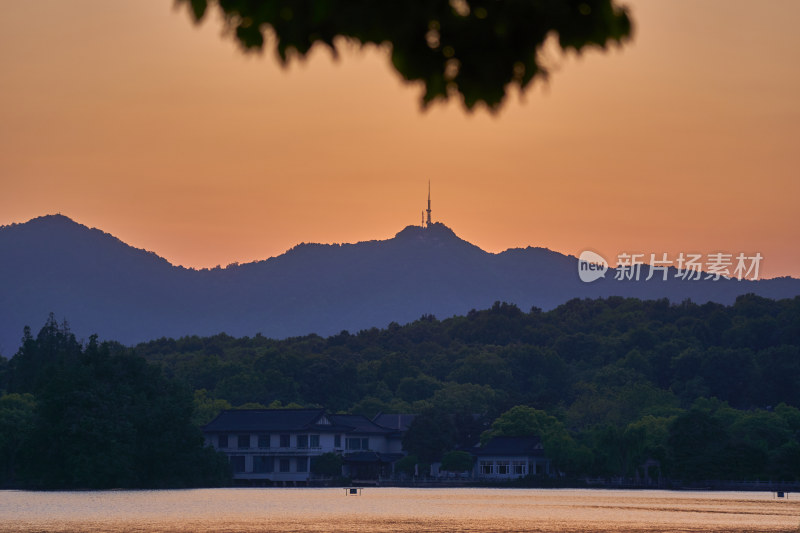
(40, 358)
(103, 418)
(476, 49)
(457, 461)
(611, 360)
(411, 465)
(430, 436)
(698, 441)
(17, 413)
(627, 380)
(617, 374)
(328, 464)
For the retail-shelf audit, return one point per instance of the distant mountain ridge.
(101, 285)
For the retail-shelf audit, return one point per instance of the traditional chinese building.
(504, 458)
(276, 446)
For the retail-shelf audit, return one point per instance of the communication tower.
(428, 221)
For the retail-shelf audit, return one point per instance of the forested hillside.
(707, 391)
(583, 359)
(710, 391)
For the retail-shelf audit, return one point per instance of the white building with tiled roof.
(275, 446)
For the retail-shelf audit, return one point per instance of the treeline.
(614, 387)
(708, 391)
(96, 416)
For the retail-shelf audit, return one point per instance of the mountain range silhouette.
(101, 285)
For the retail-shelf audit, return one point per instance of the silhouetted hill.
(100, 284)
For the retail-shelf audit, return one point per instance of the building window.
(302, 464)
(285, 441)
(502, 467)
(284, 465)
(519, 468)
(302, 441)
(313, 441)
(222, 441)
(237, 462)
(487, 467)
(357, 443)
(337, 441)
(263, 464)
(244, 442)
(263, 440)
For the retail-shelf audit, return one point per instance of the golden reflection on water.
(396, 509)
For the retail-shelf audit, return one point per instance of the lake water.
(396, 509)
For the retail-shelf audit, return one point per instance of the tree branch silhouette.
(471, 49)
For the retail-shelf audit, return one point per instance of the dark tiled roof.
(359, 424)
(266, 420)
(510, 446)
(395, 422)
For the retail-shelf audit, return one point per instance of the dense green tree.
(655, 431)
(104, 419)
(328, 464)
(465, 398)
(618, 403)
(3, 373)
(538, 376)
(697, 446)
(619, 451)
(482, 368)
(779, 367)
(17, 412)
(244, 387)
(790, 415)
(411, 465)
(430, 435)
(784, 462)
(454, 417)
(421, 387)
(371, 406)
(207, 408)
(42, 357)
(457, 461)
(523, 421)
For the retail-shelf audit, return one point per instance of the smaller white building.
(504, 458)
(277, 446)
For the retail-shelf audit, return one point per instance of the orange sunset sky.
(127, 117)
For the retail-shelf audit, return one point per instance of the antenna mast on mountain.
(428, 222)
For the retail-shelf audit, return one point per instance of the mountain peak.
(56, 240)
(435, 231)
(54, 220)
(102, 285)
(61, 226)
(57, 220)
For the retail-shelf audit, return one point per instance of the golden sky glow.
(127, 117)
